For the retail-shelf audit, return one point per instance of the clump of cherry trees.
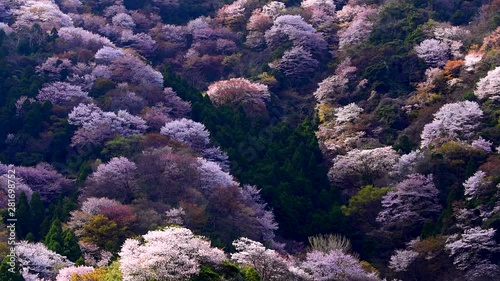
(237, 92)
(45, 13)
(414, 201)
(97, 126)
(489, 86)
(458, 120)
(171, 253)
(308, 46)
(359, 167)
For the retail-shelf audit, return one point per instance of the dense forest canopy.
(344, 140)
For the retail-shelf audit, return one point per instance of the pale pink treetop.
(414, 201)
(37, 261)
(268, 263)
(297, 63)
(402, 259)
(239, 91)
(43, 12)
(67, 273)
(347, 114)
(489, 86)
(453, 121)
(358, 30)
(482, 144)
(474, 246)
(293, 28)
(187, 131)
(211, 175)
(433, 51)
(63, 94)
(334, 265)
(169, 254)
(372, 163)
(474, 184)
(97, 126)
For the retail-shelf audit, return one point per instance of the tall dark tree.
(23, 216)
(71, 249)
(7, 275)
(37, 214)
(54, 238)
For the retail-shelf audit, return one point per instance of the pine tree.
(23, 216)
(71, 249)
(6, 275)
(37, 213)
(54, 238)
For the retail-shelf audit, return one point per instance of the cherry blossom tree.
(259, 21)
(473, 250)
(169, 254)
(296, 63)
(453, 121)
(330, 89)
(175, 216)
(273, 9)
(239, 91)
(321, 10)
(70, 6)
(474, 184)
(269, 264)
(107, 55)
(43, 12)
(123, 20)
(55, 68)
(252, 198)
(141, 42)
(402, 259)
(130, 68)
(358, 29)
(334, 265)
(44, 179)
(114, 8)
(293, 28)
(433, 51)
(94, 205)
(68, 273)
(233, 13)
(414, 201)
(37, 262)
(156, 116)
(69, 37)
(93, 255)
(489, 86)
(347, 114)
(170, 38)
(482, 144)
(124, 99)
(115, 180)
(189, 132)
(211, 175)
(62, 94)
(348, 12)
(217, 155)
(471, 59)
(408, 164)
(365, 165)
(177, 108)
(97, 126)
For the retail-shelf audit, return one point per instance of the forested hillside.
(250, 140)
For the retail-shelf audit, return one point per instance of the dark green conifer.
(23, 216)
